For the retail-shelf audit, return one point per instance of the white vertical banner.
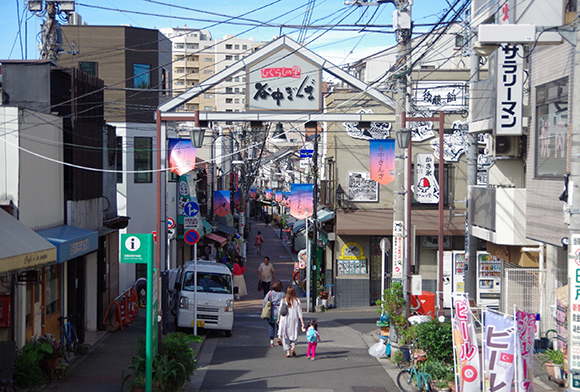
(467, 364)
(510, 87)
(426, 187)
(498, 352)
(398, 250)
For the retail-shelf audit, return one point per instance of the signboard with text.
(398, 250)
(510, 85)
(574, 305)
(284, 81)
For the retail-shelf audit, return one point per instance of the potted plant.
(441, 385)
(27, 371)
(554, 360)
(392, 305)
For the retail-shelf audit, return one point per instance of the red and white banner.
(525, 350)
(467, 365)
(498, 352)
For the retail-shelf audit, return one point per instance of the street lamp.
(403, 137)
(196, 135)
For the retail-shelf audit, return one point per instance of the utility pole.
(51, 33)
(315, 215)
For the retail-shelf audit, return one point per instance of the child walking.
(312, 337)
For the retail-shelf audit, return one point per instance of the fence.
(124, 308)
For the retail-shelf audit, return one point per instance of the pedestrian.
(275, 296)
(288, 324)
(266, 274)
(258, 243)
(141, 288)
(239, 281)
(312, 337)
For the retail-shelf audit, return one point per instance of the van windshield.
(208, 282)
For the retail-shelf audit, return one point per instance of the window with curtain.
(143, 159)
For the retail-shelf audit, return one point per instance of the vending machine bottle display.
(489, 270)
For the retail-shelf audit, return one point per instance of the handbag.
(259, 285)
(267, 311)
(283, 308)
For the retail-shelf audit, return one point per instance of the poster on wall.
(361, 187)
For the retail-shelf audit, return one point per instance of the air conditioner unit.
(506, 146)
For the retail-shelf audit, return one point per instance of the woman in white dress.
(288, 324)
(239, 280)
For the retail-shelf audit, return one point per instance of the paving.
(347, 334)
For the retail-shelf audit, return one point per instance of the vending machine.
(458, 271)
(453, 275)
(489, 269)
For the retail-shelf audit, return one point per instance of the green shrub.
(27, 371)
(436, 339)
(393, 305)
(438, 370)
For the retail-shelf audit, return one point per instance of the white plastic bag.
(378, 350)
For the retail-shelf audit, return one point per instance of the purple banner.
(382, 160)
(301, 200)
(181, 157)
(279, 196)
(221, 203)
(269, 194)
(498, 352)
(525, 364)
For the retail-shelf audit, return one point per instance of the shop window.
(143, 159)
(52, 290)
(551, 154)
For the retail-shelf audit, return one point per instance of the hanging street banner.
(181, 157)
(221, 203)
(498, 352)
(269, 194)
(284, 81)
(382, 160)
(526, 323)
(279, 196)
(426, 187)
(301, 200)
(237, 198)
(509, 89)
(254, 193)
(467, 365)
(398, 250)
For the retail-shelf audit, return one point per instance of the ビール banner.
(467, 365)
(526, 323)
(498, 352)
(301, 200)
(382, 160)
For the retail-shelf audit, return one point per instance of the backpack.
(311, 335)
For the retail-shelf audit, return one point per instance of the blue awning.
(71, 241)
(226, 229)
(321, 216)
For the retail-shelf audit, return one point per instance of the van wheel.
(228, 333)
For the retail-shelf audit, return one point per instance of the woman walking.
(275, 296)
(288, 324)
(239, 280)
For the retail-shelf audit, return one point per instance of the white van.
(215, 296)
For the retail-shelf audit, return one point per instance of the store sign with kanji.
(284, 81)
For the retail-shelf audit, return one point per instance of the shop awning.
(214, 237)
(207, 227)
(226, 229)
(71, 241)
(21, 248)
(321, 216)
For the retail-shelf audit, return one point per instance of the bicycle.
(412, 379)
(68, 338)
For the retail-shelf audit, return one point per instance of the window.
(141, 76)
(244, 79)
(164, 82)
(203, 37)
(237, 90)
(445, 191)
(236, 57)
(244, 47)
(180, 83)
(229, 110)
(119, 160)
(207, 59)
(229, 57)
(192, 46)
(237, 100)
(179, 70)
(52, 289)
(459, 41)
(143, 159)
(236, 46)
(208, 96)
(228, 100)
(244, 90)
(228, 79)
(228, 46)
(229, 90)
(207, 71)
(89, 67)
(237, 79)
(551, 152)
(178, 46)
(208, 108)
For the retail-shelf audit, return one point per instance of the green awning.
(207, 227)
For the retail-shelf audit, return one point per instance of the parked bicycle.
(412, 379)
(68, 338)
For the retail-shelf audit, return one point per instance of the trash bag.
(377, 350)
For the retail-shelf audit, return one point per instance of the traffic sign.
(170, 222)
(191, 208)
(136, 248)
(191, 237)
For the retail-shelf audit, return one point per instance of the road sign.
(191, 208)
(191, 237)
(136, 248)
(306, 153)
(170, 222)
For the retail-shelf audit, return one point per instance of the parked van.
(215, 296)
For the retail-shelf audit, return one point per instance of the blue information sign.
(306, 153)
(191, 208)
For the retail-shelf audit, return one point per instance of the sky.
(342, 33)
